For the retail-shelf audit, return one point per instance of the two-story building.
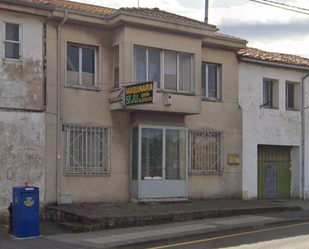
(103, 142)
(273, 90)
(22, 99)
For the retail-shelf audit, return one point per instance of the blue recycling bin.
(26, 212)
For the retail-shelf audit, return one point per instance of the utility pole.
(206, 11)
(138, 3)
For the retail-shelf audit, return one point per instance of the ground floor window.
(163, 153)
(87, 150)
(206, 152)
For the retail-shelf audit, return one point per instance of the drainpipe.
(59, 105)
(303, 134)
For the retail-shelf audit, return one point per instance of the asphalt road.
(283, 237)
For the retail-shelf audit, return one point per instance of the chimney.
(206, 11)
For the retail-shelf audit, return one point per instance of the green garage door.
(274, 174)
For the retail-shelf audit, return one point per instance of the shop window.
(171, 70)
(87, 150)
(12, 41)
(81, 65)
(211, 83)
(206, 152)
(293, 97)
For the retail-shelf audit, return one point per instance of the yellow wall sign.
(139, 94)
(29, 202)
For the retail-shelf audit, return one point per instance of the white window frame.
(162, 60)
(296, 95)
(218, 83)
(116, 64)
(270, 101)
(201, 162)
(10, 41)
(99, 167)
(97, 52)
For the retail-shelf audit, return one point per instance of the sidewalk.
(245, 215)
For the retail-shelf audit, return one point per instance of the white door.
(162, 162)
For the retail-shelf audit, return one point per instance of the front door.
(274, 173)
(162, 162)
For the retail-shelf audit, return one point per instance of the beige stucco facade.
(224, 116)
(93, 107)
(102, 105)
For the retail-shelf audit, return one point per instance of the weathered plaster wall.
(224, 116)
(267, 126)
(21, 82)
(22, 134)
(22, 158)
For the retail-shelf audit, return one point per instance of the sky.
(264, 27)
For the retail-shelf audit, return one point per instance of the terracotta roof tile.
(256, 54)
(75, 6)
(229, 37)
(157, 13)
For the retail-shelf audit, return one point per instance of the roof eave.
(226, 43)
(272, 64)
(127, 13)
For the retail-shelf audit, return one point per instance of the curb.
(77, 223)
(172, 240)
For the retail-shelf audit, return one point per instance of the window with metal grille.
(206, 153)
(87, 150)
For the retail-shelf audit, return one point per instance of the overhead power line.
(283, 6)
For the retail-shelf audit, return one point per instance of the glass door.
(162, 167)
(152, 148)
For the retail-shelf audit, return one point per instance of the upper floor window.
(211, 81)
(267, 93)
(171, 70)
(81, 65)
(116, 66)
(293, 96)
(270, 93)
(12, 41)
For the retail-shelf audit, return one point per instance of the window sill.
(293, 110)
(176, 93)
(94, 175)
(212, 100)
(83, 88)
(269, 108)
(11, 61)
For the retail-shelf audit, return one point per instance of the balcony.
(161, 101)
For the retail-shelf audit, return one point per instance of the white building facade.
(270, 93)
(22, 104)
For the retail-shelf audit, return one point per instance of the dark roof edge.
(28, 4)
(273, 64)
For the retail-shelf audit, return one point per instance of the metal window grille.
(206, 153)
(87, 150)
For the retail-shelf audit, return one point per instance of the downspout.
(303, 134)
(59, 104)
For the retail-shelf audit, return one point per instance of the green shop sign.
(139, 94)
